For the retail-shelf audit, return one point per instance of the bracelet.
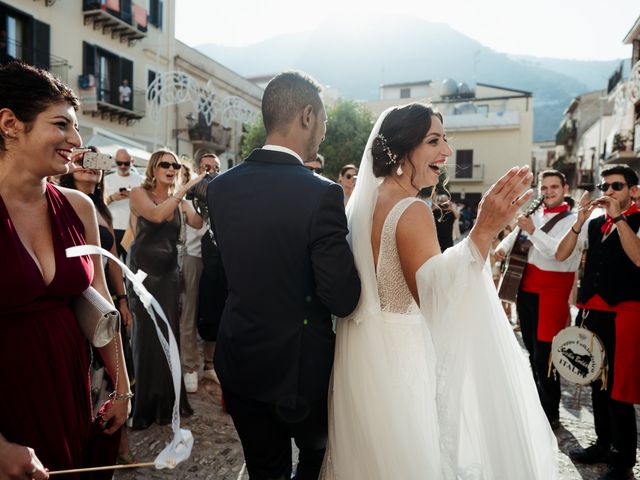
(620, 217)
(574, 230)
(122, 296)
(177, 199)
(121, 396)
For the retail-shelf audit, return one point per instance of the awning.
(111, 143)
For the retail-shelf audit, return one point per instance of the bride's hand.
(499, 205)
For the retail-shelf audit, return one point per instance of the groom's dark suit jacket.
(281, 232)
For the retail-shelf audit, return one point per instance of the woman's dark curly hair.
(28, 91)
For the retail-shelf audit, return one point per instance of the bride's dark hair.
(401, 131)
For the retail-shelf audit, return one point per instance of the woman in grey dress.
(157, 216)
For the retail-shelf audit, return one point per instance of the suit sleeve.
(337, 281)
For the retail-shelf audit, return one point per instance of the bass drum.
(578, 355)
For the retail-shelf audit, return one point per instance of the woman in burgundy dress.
(46, 419)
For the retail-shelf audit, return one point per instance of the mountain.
(357, 58)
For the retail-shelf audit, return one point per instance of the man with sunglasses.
(117, 189)
(281, 231)
(609, 301)
(543, 298)
(317, 165)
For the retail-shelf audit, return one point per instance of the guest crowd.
(150, 222)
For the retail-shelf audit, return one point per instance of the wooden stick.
(108, 467)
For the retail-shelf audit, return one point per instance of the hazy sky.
(581, 29)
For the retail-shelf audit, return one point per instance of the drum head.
(578, 355)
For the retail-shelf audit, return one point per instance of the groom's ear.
(307, 116)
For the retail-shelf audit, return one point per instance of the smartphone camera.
(97, 161)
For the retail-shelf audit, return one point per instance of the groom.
(281, 232)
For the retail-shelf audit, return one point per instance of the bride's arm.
(416, 235)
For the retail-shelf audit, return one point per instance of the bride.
(429, 381)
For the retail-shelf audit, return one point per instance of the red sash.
(626, 373)
(553, 289)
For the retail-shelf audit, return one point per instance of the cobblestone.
(217, 453)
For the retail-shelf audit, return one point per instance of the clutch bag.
(98, 319)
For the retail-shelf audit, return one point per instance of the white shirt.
(280, 148)
(125, 91)
(543, 251)
(193, 242)
(120, 208)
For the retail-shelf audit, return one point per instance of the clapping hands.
(499, 205)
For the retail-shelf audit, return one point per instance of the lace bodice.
(393, 291)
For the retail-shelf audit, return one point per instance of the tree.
(253, 137)
(348, 127)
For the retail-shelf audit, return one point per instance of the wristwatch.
(619, 218)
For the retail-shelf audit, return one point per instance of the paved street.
(217, 453)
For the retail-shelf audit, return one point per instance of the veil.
(359, 220)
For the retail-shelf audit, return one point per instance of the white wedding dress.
(441, 392)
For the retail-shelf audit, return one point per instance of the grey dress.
(155, 251)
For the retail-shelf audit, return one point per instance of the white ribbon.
(179, 449)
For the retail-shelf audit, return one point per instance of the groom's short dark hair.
(286, 95)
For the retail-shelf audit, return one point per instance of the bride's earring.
(399, 170)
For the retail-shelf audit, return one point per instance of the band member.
(609, 301)
(543, 298)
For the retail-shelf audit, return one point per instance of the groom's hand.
(499, 205)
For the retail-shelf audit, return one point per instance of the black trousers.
(122, 253)
(265, 431)
(548, 386)
(615, 421)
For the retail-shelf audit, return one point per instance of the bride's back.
(395, 295)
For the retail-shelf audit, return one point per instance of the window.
(113, 74)
(23, 38)
(405, 93)
(464, 164)
(151, 77)
(482, 108)
(155, 13)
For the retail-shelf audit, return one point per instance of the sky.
(570, 29)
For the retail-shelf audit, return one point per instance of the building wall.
(159, 51)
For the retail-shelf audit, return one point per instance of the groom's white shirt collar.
(280, 148)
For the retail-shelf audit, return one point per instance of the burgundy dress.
(44, 366)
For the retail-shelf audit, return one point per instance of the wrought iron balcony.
(41, 58)
(126, 21)
(471, 173)
(586, 179)
(101, 98)
(566, 135)
(215, 137)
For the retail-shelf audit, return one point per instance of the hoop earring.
(399, 171)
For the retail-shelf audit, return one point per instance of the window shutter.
(41, 44)
(88, 59)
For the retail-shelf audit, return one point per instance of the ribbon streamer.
(179, 449)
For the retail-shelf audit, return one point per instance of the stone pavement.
(217, 453)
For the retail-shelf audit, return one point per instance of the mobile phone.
(122, 189)
(97, 161)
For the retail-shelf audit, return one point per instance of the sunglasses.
(316, 170)
(208, 168)
(349, 176)
(176, 166)
(123, 164)
(617, 186)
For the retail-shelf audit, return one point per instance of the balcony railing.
(216, 136)
(58, 66)
(566, 135)
(101, 97)
(118, 18)
(471, 173)
(586, 179)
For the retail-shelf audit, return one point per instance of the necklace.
(403, 187)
